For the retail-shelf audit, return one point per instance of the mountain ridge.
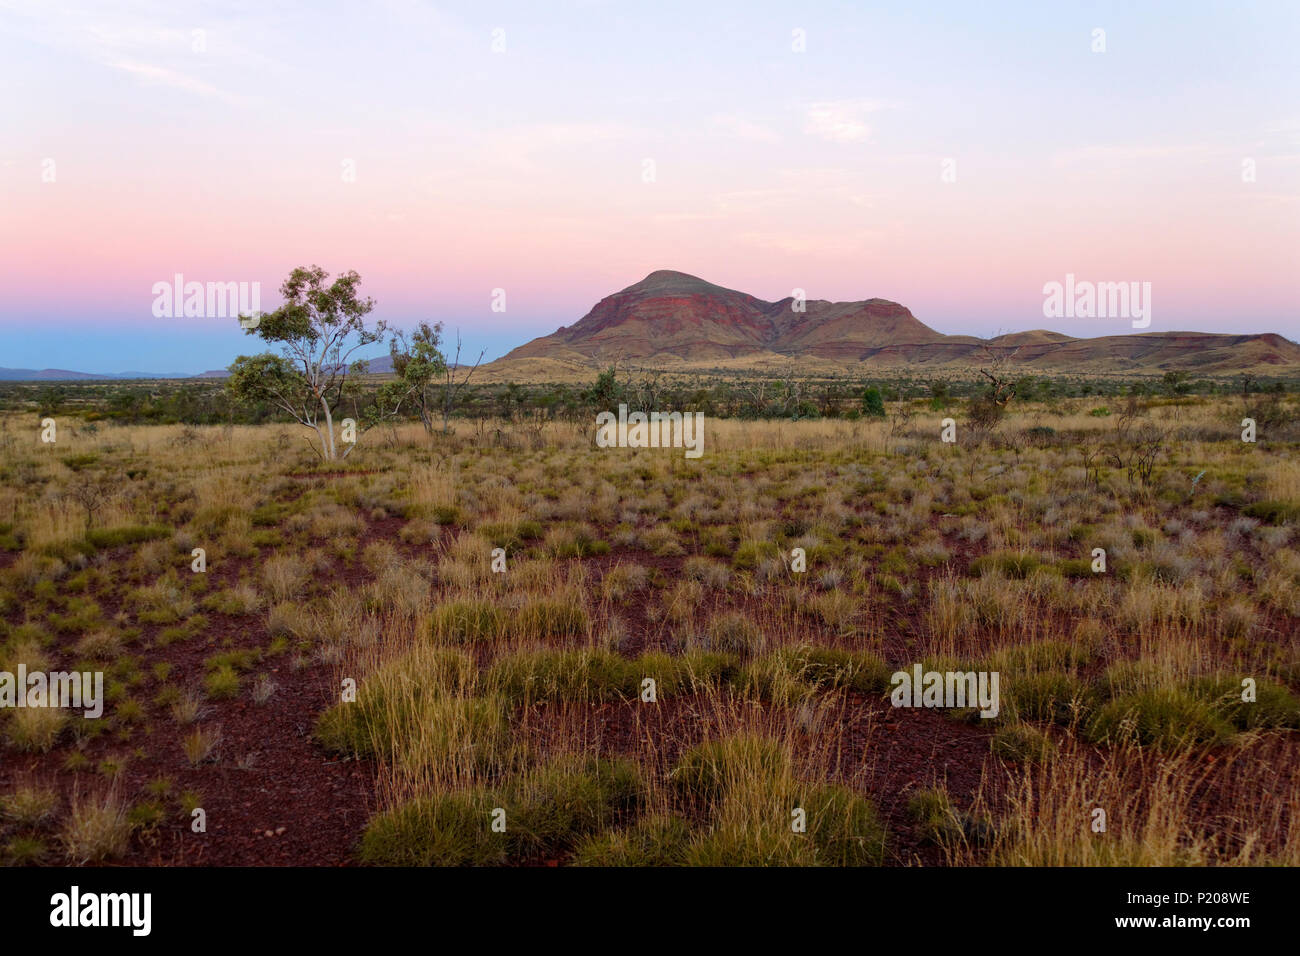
(676, 317)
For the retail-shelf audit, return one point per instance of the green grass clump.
(769, 843)
(750, 554)
(131, 534)
(468, 622)
(1010, 564)
(1048, 696)
(844, 828)
(391, 702)
(1274, 705)
(1075, 568)
(510, 535)
(29, 806)
(451, 829)
(734, 633)
(757, 829)
(685, 673)
(1165, 717)
(652, 841)
(569, 799)
(716, 769)
(1021, 743)
(1273, 512)
(828, 667)
(78, 463)
(1040, 656)
(548, 812)
(222, 683)
(25, 851)
(936, 820)
(546, 618)
(574, 674)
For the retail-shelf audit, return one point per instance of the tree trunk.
(329, 430)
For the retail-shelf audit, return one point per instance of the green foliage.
(318, 329)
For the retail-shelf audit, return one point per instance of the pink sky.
(523, 169)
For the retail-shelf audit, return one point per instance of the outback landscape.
(472, 464)
(484, 639)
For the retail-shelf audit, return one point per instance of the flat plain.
(651, 680)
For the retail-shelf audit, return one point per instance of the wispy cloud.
(841, 121)
(157, 43)
(162, 76)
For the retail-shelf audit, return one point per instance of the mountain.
(675, 318)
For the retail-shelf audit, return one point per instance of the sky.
(953, 157)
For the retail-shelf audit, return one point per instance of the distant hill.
(64, 375)
(671, 318)
(376, 366)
